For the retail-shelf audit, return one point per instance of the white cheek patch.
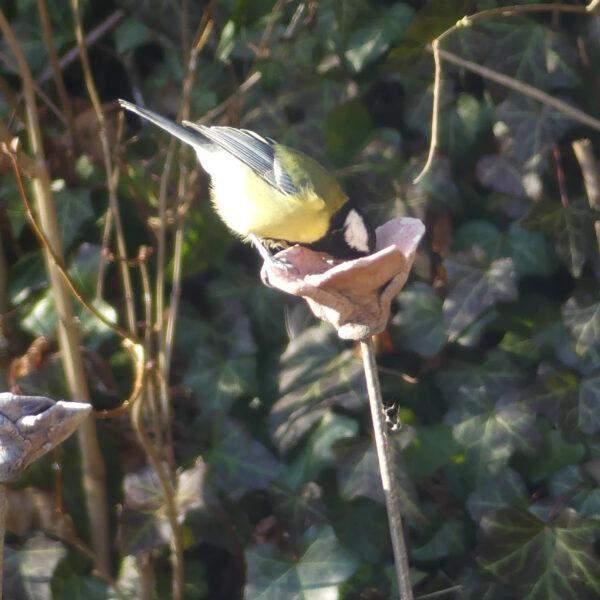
(355, 232)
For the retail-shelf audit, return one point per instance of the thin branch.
(467, 21)
(387, 471)
(90, 39)
(137, 419)
(57, 73)
(112, 174)
(435, 111)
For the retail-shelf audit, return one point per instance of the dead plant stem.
(3, 505)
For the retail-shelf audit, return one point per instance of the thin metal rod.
(386, 469)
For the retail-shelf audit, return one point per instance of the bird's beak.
(181, 133)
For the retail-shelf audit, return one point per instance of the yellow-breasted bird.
(270, 194)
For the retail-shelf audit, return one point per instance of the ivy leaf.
(130, 34)
(487, 416)
(239, 464)
(582, 318)
(222, 366)
(73, 210)
(420, 320)
(358, 471)
(363, 526)
(530, 252)
(369, 42)
(550, 559)
(28, 572)
(318, 449)
(570, 401)
(570, 228)
(448, 540)
(317, 574)
(315, 377)
(476, 285)
(432, 447)
(499, 173)
(580, 489)
(344, 142)
(505, 489)
(545, 58)
(533, 127)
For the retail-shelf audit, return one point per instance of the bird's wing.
(254, 150)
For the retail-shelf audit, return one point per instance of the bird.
(269, 194)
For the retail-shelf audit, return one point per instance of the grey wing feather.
(253, 150)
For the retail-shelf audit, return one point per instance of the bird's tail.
(188, 136)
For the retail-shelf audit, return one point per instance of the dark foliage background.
(491, 362)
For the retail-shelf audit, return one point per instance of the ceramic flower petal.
(354, 295)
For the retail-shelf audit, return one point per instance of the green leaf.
(314, 377)
(433, 447)
(239, 464)
(476, 286)
(534, 127)
(73, 209)
(549, 560)
(487, 415)
(222, 366)
(130, 34)
(318, 450)
(530, 252)
(318, 572)
(555, 454)
(505, 489)
(363, 526)
(582, 318)
(420, 320)
(226, 42)
(448, 540)
(581, 491)
(358, 471)
(369, 42)
(589, 405)
(346, 129)
(570, 227)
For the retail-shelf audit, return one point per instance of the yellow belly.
(249, 205)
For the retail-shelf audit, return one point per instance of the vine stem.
(386, 469)
(3, 503)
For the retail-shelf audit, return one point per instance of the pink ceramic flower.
(354, 295)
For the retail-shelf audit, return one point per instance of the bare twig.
(93, 469)
(560, 176)
(504, 11)
(57, 73)
(112, 174)
(435, 111)
(161, 470)
(90, 39)
(386, 468)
